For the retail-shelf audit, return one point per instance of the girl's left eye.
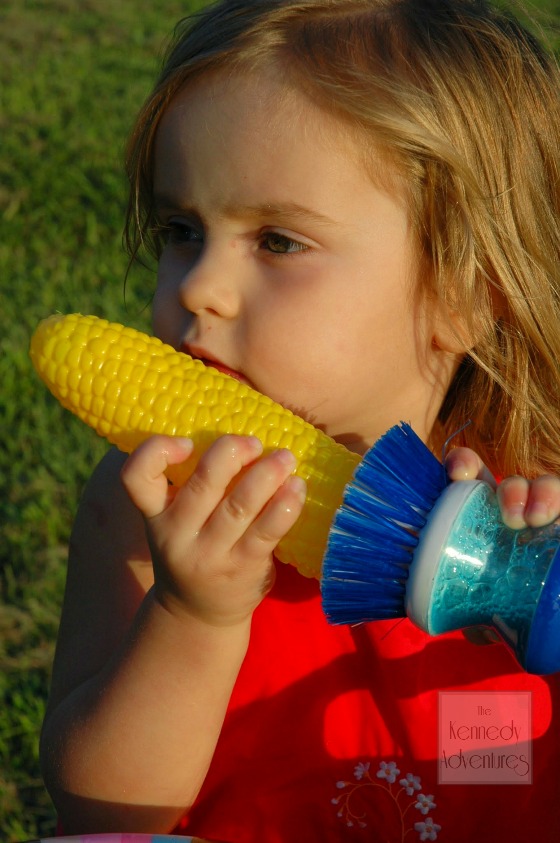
(280, 244)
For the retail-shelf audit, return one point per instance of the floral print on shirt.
(412, 806)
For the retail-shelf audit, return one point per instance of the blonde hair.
(467, 104)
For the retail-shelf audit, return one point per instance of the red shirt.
(332, 735)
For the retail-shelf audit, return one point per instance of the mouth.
(215, 364)
(225, 370)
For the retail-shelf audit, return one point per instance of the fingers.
(257, 510)
(465, 464)
(481, 635)
(222, 497)
(212, 539)
(543, 505)
(143, 474)
(525, 503)
(279, 515)
(218, 467)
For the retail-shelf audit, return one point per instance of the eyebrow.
(271, 210)
(276, 210)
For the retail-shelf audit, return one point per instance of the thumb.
(465, 464)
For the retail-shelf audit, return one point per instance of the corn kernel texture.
(128, 386)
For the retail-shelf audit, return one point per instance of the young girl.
(355, 208)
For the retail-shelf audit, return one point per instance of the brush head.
(375, 531)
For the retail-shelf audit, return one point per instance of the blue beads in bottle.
(470, 569)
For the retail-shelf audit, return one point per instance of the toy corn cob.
(129, 386)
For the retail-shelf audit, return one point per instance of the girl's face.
(287, 266)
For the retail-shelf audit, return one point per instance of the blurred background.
(73, 73)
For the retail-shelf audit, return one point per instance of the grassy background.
(72, 75)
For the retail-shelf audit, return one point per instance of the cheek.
(278, 337)
(165, 321)
(301, 332)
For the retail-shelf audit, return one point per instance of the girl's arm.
(145, 665)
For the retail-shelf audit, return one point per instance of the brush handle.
(470, 569)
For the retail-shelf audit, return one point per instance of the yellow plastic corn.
(128, 386)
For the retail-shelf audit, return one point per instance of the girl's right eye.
(180, 233)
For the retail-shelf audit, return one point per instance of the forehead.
(259, 101)
(268, 112)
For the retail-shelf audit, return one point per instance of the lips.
(225, 370)
(214, 364)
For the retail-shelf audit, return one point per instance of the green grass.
(72, 75)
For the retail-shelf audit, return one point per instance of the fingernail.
(491, 636)
(458, 470)
(298, 486)
(185, 443)
(538, 514)
(286, 458)
(514, 517)
(255, 443)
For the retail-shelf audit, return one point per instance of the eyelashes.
(281, 244)
(176, 233)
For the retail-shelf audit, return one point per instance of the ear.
(451, 332)
(456, 332)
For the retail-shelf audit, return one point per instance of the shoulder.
(105, 510)
(105, 478)
(108, 547)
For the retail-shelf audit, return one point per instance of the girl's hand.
(523, 503)
(212, 539)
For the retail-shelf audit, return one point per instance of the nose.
(212, 286)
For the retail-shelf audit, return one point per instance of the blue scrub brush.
(406, 542)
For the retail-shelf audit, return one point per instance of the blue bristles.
(375, 531)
